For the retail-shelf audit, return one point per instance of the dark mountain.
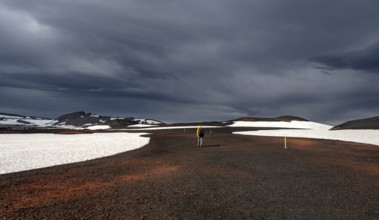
(84, 119)
(366, 123)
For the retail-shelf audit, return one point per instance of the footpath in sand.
(231, 177)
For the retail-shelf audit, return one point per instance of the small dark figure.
(200, 135)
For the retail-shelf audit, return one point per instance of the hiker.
(200, 135)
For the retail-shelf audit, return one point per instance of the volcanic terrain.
(231, 177)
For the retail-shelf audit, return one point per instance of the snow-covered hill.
(19, 121)
(75, 120)
(281, 124)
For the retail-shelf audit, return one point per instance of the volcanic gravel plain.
(231, 177)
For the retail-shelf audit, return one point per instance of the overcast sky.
(191, 60)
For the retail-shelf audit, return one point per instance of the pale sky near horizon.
(191, 60)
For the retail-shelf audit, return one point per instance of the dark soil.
(231, 177)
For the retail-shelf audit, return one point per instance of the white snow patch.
(116, 118)
(19, 152)
(99, 127)
(170, 128)
(153, 122)
(69, 127)
(281, 124)
(40, 122)
(148, 121)
(32, 122)
(10, 121)
(358, 136)
(141, 126)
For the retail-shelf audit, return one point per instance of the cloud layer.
(190, 60)
(366, 59)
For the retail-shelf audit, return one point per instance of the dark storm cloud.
(366, 59)
(189, 60)
(83, 85)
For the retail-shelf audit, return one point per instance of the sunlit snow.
(19, 152)
(281, 124)
(99, 127)
(169, 128)
(141, 126)
(313, 130)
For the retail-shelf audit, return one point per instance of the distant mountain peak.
(72, 115)
(87, 119)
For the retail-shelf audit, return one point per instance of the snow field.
(281, 124)
(169, 128)
(19, 152)
(358, 136)
(99, 127)
(141, 126)
(308, 129)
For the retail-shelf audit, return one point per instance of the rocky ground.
(231, 177)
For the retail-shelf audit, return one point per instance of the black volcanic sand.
(232, 177)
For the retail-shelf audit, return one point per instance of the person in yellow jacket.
(200, 135)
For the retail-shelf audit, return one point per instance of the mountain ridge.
(73, 120)
(88, 120)
(365, 123)
(286, 118)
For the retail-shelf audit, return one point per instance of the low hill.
(366, 123)
(203, 123)
(286, 118)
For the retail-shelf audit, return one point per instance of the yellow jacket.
(198, 129)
